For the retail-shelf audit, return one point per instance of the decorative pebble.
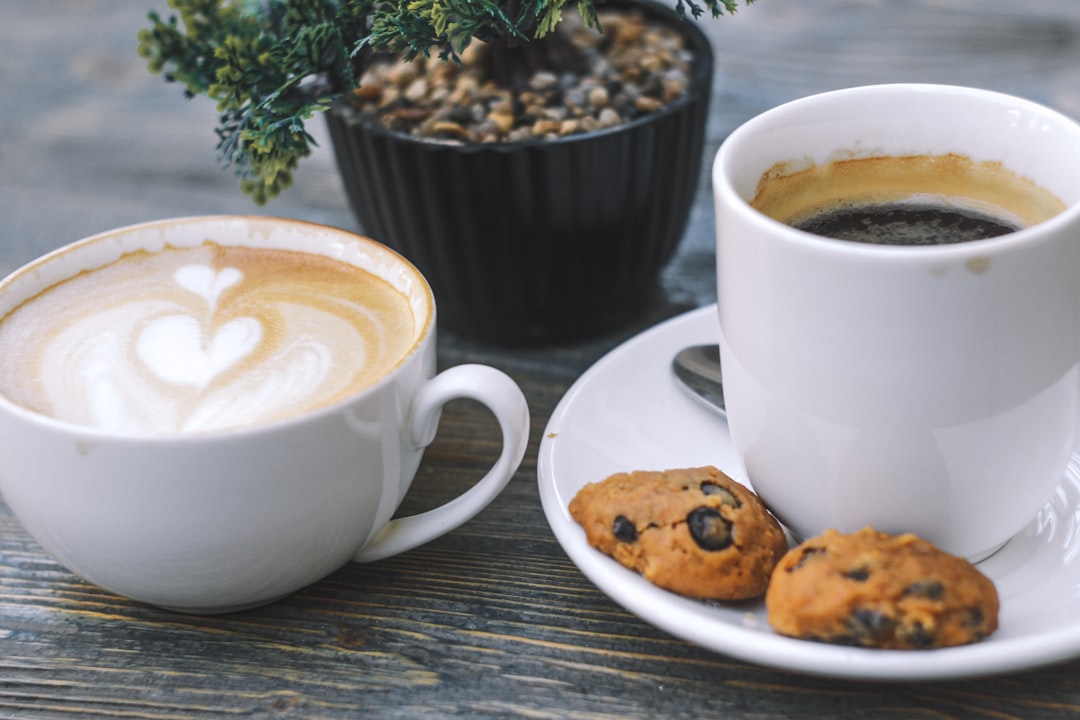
(633, 70)
(503, 122)
(598, 97)
(416, 90)
(608, 118)
(543, 80)
(648, 104)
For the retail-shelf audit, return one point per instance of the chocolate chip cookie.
(693, 531)
(872, 589)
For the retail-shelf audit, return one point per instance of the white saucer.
(626, 413)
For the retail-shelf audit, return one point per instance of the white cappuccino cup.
(925, 388)
(210, 413)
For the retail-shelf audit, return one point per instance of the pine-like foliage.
(272, 64)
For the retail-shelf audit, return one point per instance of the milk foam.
(194, 340)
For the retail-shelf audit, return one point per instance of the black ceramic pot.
(542, 240)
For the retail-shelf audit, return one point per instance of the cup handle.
(504, 398)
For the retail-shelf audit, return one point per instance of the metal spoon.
(698, 370)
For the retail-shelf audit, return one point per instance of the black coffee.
(905, 224)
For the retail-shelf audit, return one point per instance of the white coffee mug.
(217, 521)
(916, 389)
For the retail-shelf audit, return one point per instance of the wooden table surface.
(493, 620)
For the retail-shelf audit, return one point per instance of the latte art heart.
(206, 282)
(201, 339)
(174, 348)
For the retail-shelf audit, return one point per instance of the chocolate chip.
(624, 529)
(917, 636)
(804, 555)
(929, 589)
(975, 617)
(860, 574)
(870, 627)
(709, 528)
(726, 498)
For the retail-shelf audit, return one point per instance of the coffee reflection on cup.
(208, 414)
(910, 357)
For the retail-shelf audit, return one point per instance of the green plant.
(273, 64)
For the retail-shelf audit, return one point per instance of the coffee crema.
(188, 340)
(904, 200)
